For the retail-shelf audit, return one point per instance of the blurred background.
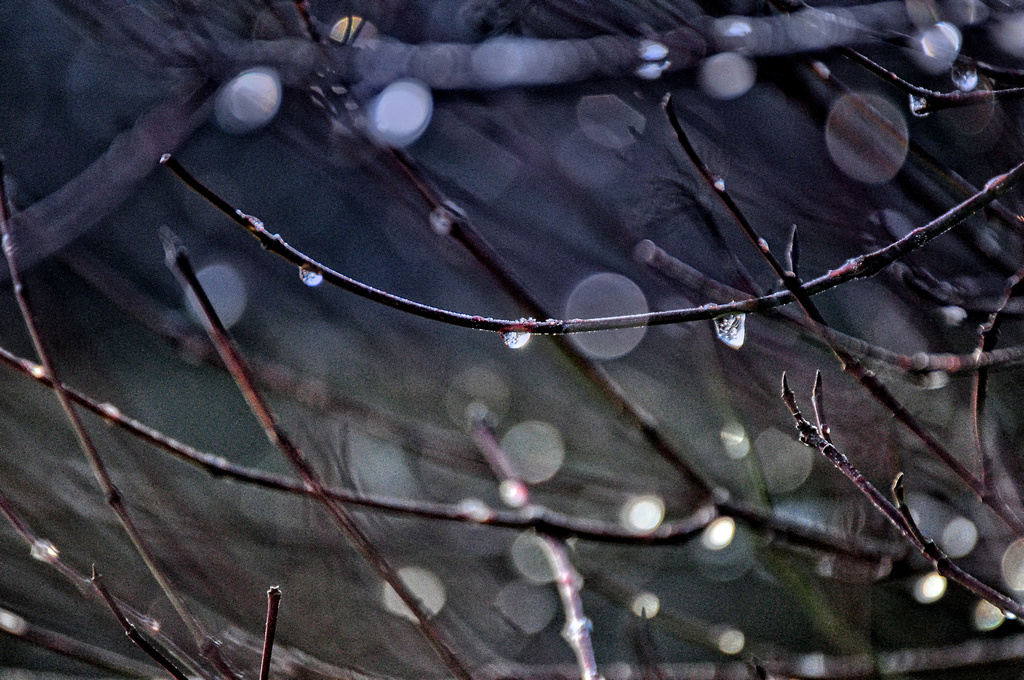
(543, 122)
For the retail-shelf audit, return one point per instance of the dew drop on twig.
(515, 339)
(441, 221)
(652, 50)
(310, 276)
(44, 551)
(964, 77)
(731, 329)
(919, 106)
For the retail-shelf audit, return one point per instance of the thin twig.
(536, 517)
(178, 262)
(516, 493)
(862, 266)
(899, 514)
(84, 585)
(132, 632)
(930, 100)
(273, 603)
(58, 643)
(111, 493)
(850, 364)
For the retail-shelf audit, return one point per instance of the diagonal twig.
(898, 514)
(178, 262)
(111, 493)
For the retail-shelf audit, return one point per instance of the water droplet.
(731, 641)
(731, 329)
(1010, 616)
(310, 276)
(441, 221)
(12, 623)
(719, 534)
(249, 101)
(572, 631)
(110, 411)
(150, 623)
(643, 514)
(646, 605)
(720, 184)
(652, 50)
(919, 106)
(652, 70)
(965, 78)
(514, 493)
(251, 219)
(475, 509)
(44, 551)
(930, 588)
(38, 371)
(515, 339)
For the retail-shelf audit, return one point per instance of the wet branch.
(816, 437)
(111, 493)
(178, 262)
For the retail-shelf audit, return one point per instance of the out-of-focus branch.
(515, 493)
(178, 262)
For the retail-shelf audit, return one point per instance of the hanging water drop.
(719, 184)
(964, 77)
(44, 551)
(515, 339)
(919, 106)
(652, 70)
(441, 221)
(731, 329)
(652, 50)
(311, 276)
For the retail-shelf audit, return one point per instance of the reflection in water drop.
(44, 551)
(867, 137)
(248, 101)
(310, 276)
(918, 106)
(515, 339)
(425, 586)
(731, 329)
(603, 295)
(964, 77)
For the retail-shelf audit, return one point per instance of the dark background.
(378, 399)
